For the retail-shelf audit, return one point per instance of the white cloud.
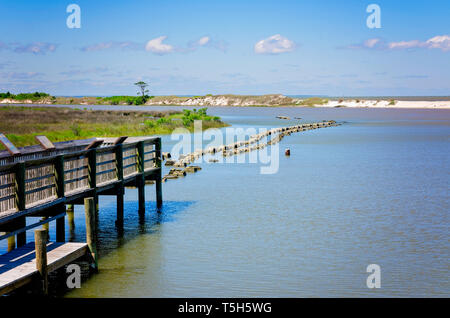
(21, 75)
(373, 43)
(112, 45)
(274, 45)
(439, 42)
(370, 43)
(204, 40)
(35, 48)
(156, 46)
(405, 44)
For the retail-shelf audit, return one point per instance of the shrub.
(163, 120)
(76, 130)
(150, 123)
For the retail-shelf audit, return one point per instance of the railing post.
(120, 188)
(20, 186)
(92, 171)
(59, 178)
(141, 178)
(20, 200)
(89, 209)
(158, 152)
(158, 174)
(59, 175)
(40, 245)
(119, 161)
(140, 156)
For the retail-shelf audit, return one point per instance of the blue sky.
(216, 47)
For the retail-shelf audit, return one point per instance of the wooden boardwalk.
(18, 267)
(42, 181)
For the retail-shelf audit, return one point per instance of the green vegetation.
(313, 101)
(25, 96)
(22, 124)
(392, 102)
(123, 100)
(127, 100)
(189, 116)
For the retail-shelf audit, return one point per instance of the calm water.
(374, 190)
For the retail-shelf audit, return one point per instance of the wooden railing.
(30, 183)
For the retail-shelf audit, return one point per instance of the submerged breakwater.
(243, 146)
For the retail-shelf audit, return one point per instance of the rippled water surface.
(374, 190)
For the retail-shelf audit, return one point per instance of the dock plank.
(18, 267)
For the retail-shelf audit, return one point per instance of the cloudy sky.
(231, 46)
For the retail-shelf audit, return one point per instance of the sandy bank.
(387, 104)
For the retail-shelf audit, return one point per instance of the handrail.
(41, 180)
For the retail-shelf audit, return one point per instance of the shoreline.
(330, 104)
(247, 101)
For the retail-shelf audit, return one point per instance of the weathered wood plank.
(45, 142)
(9, 145)
(18, 267)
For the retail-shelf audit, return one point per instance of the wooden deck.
(18, 267)
(43, 181)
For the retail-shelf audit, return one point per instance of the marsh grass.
(21, 124)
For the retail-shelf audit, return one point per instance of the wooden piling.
(11, 243)
(70, 211)
(21, 237)
(40, 243)
(141, 195)
(89, 207)
(46, 226)
(120, 193)
(158, 175)
(61, 227)
(120, 188)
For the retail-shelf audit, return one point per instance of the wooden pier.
(18, 267)
(40, 181)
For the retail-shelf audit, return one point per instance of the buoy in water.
(287, 152)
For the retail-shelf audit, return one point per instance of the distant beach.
(388, 103)
(271, 100)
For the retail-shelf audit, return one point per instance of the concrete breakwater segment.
(251, 144)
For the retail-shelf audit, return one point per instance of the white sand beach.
(387, 104)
